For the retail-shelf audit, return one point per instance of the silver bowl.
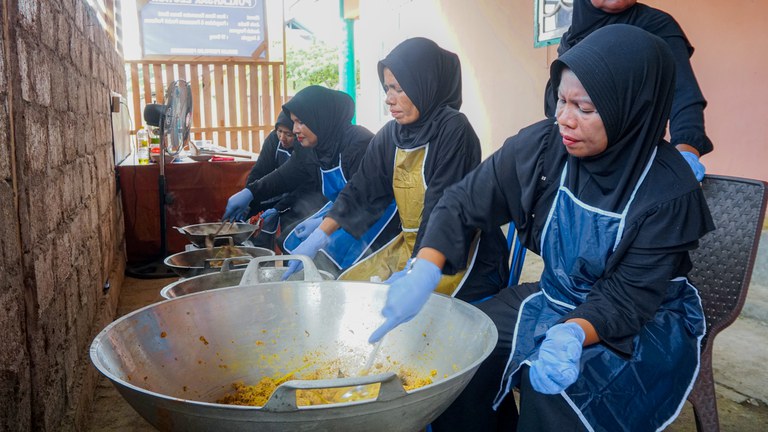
(239, 232)
(172, 360)
(201, 261)
(228, 277)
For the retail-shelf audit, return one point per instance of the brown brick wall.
(60, 217)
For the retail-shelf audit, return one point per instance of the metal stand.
(156, 269)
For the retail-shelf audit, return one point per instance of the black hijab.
(629, 74)
(431, 77)
(285, 120)
(328, 113)
(587, 18)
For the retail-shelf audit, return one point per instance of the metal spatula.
(210, 237)
(362, 391)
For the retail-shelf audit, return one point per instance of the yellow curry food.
(228, 252)
(258, 394)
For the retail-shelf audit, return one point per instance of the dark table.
(196, 192)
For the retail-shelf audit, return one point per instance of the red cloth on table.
(197, 193)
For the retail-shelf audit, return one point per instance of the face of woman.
(580, 124)
(303, 133)
(285, 136)
(400, 106)
(613, 6)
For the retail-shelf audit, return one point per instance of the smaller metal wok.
(239, 232)
(228, 277)
(201, 261)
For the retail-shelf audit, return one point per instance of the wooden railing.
(235, 102)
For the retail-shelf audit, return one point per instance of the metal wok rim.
(97, 341)
(168, 260)
(168, 288)
(237, 225)
(244, 232)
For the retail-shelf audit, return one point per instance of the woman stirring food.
(609, 338)
(322, 122)
(428, 146)
(289, 207)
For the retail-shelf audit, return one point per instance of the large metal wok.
(207, 260)
(228, 276)
(238, 232)
(173, 359)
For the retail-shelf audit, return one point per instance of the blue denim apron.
(343, 249)
(281, 156)
(612, 393)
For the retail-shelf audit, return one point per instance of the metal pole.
(161, 188)
(347, 80)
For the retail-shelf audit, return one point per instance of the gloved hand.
(397, 275)
(696, 165)
(304, 229)
(309, 247)
(558, 364)
(269, 217)
(237, 205)
(407, 295)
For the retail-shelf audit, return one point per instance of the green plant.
(316, 64)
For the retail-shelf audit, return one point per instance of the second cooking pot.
(228, 277)
(197, 233)
(200, 261)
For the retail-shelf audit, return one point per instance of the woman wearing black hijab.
(286, 208)
(687, 114)
(428, 146)
(609, 338)
(322, 123)
(330, 146)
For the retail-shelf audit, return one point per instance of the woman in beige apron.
(427, 147)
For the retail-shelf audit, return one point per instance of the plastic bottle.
(154, 144)
(142, 152)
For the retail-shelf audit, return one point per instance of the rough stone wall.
(14, 361)
(60, 216)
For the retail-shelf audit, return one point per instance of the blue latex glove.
(269, 216)
(304, 229)
(237, 205)
(558, 364)
(407, 295)
(309, 247)
(397, 275)
(695, 163)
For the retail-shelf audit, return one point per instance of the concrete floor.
(739, 361)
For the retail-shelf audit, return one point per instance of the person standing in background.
(686, 121)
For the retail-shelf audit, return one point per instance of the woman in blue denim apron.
(322, 122)
(288, 207)
(609, 339)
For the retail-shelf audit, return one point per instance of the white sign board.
(210, 28)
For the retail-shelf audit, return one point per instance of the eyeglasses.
(285, 134)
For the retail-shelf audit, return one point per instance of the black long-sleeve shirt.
(301, 173)
(450, 155)
(637, 274)
(269, 160)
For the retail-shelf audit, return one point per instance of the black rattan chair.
(722, 269)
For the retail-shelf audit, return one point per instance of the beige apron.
(409, 189)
